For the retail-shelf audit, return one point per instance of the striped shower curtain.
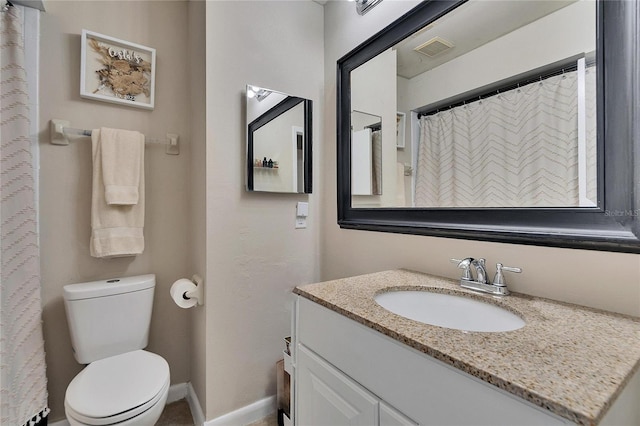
(515, 149)
(376, 160)
(23, 384)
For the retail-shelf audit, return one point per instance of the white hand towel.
(121, 151)
(116, 230)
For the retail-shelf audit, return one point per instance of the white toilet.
(109, 324)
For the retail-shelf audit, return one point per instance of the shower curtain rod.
(374, 127)
(61, 130)
(532, 76)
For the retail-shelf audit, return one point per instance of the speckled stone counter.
(571, 360)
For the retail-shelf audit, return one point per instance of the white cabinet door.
(389, 416)
(326, 397)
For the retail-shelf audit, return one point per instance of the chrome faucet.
(481, 272)
(499, 286)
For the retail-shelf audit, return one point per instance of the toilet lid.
(117, 384)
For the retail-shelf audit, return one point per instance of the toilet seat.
(115, 389)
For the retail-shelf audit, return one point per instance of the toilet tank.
(109, 317)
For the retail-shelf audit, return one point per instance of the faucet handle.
(498, 280)
(459, 261)
(466, 265)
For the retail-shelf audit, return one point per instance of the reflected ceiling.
(468, 27)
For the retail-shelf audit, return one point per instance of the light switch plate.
(302, 209)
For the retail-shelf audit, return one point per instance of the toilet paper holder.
(196, 293)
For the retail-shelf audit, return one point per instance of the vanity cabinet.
(349, 374)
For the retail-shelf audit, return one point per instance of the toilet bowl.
(125, 389)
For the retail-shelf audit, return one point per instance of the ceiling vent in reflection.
(434, 47)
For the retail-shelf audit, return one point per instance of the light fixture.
(257, 92)
(363, 6)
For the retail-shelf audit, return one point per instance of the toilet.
(109, 325)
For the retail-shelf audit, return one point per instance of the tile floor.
(178, 414)
(271, 420)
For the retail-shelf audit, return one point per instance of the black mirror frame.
(614, 225)
(282, 107)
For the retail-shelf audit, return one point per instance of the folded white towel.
(121, 151)
(116, 230)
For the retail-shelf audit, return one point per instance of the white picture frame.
(401, 124)
(117, 71)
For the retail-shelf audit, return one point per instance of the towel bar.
(61, 130)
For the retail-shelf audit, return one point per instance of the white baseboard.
(185, 391)
(247, 414)
(176, 392)
(194, 405)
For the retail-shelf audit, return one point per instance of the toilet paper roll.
(178, 289)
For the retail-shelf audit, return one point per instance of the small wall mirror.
(279, 154)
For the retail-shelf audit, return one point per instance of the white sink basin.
(445, 310)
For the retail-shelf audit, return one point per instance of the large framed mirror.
(506, 121)
(279, 142)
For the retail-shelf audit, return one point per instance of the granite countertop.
(569, 359)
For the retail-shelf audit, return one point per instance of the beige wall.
(65, 191)
(254, 255)
(197, 166)
(604, 280)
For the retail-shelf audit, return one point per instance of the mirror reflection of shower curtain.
(516, 149)
(376, 159)
(591, 120)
